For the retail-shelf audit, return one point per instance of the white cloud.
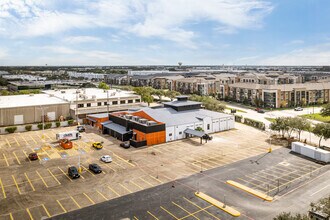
(315, 55)
(81, 39)
(293, 42)
(3, 53)
(165, 19)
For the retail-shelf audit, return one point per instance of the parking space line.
(8, 143)
(75, 202)
(125, 188)
(43, 206)
(42, 179)
(126, 161)
(101, 195)
(24, 139)
(135, 217)
(59, 183)
(33, 139)
(28, 211)
(89, 198)
(19, 191)
(152, 215)
(119, 165)
(11, 216)
(168, 212)
(4, 156)
(135, 184)
(29, 182)
(201, 208)
(16, 141)
(113, 191)
(110, 167)
(19, 162)
(64, 174)
(3, 189)
(198, 211)
(156, 179)
(145, 181)
(185, 210)
(87, 170)
(64, 210)
(255, 185)
(26, 156)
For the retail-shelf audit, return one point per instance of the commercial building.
(176, 120)
(91, 100)
(26, 109)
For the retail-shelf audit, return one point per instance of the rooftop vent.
(63, 91)
(143, 121)
(136, 118)
(128, 116)
(151, 123)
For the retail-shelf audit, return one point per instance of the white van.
(70, 135)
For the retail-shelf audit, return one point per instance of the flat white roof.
(89, 94)
(13, 101)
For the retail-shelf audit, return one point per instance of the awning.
(116, 127)
(194, 132)
(91, 119)
(106, 122)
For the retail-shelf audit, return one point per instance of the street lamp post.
(43, 122)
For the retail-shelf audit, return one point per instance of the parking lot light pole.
(79, 167)
(43, 122)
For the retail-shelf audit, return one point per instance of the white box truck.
(70, 135)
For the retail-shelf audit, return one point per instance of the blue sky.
(142, 32)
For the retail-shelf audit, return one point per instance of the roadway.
(176, 199)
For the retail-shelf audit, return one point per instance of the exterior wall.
(98, 121)
(32, 114)
(152, 138)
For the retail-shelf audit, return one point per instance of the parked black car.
(95, 168)
(125, 144)
(81, 128)
(73, 172)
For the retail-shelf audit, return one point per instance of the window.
(99, 103)
(170, 134)
(208, 126)
(105, 103)
(180, 132)
(88, 104)
(130, 101)
(115, 102)
(137, 100)
(80, 105)
(122, 101)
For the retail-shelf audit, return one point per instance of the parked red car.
(33, 156)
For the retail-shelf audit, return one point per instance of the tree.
(159, 94)
(301, 124)
(171, 94)
(281, 125)
(284, 104)
(147, 98)
(320, 101)
(325, 111)
(303, 102)
(103, 85)
(322, 130)
(289, 216)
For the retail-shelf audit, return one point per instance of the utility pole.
(77, 120)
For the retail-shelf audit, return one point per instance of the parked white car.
(299, 109)
(106, 159)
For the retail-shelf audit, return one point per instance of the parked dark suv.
(73, 172)
(95, 168)
(125, 144)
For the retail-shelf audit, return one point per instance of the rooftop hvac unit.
(78, 91)
(128, 116)
(143, 121)
(151, 123)
(51, 95)
(93, 96)
(136, 118)
(63, 91)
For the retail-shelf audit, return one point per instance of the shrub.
(39, 126)
(69, 117)
(257, 124)
(238, 118)
(48, 125)
(70, 122)
(28, 127)
(58, 124)
(11, 129)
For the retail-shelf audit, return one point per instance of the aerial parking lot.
(33, 189)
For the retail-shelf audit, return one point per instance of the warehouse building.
(26, 109)
(176, 120)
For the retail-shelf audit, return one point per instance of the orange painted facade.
(98, 121)
(152, 138)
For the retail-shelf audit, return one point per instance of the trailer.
(311, 152)
(70, 135)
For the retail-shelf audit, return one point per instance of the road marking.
(28, 211)
(89, 198)
(125, 188)
(198, 211)
(64, 210)
(3, 189)
(4, 156)
(24, 139)
(8, 143)
(65, 174)
(110, 167)
(185, 210)
(169, 212)
(152, 215)
(135, 218)
(29, 182)
(75, 202)
(135, 184)
(16, 141)
(147, 182)
(101, 195)
(113, 191)
(26, 156)
(42, 179)
(201, 208)
(319, 190)
(59, 183)
(126, 161)
(43, 206)
(119, 165)
(156, 179)
(33, 139)
(11, 216)
(19, 162)
(19, 191)
(87, 170)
